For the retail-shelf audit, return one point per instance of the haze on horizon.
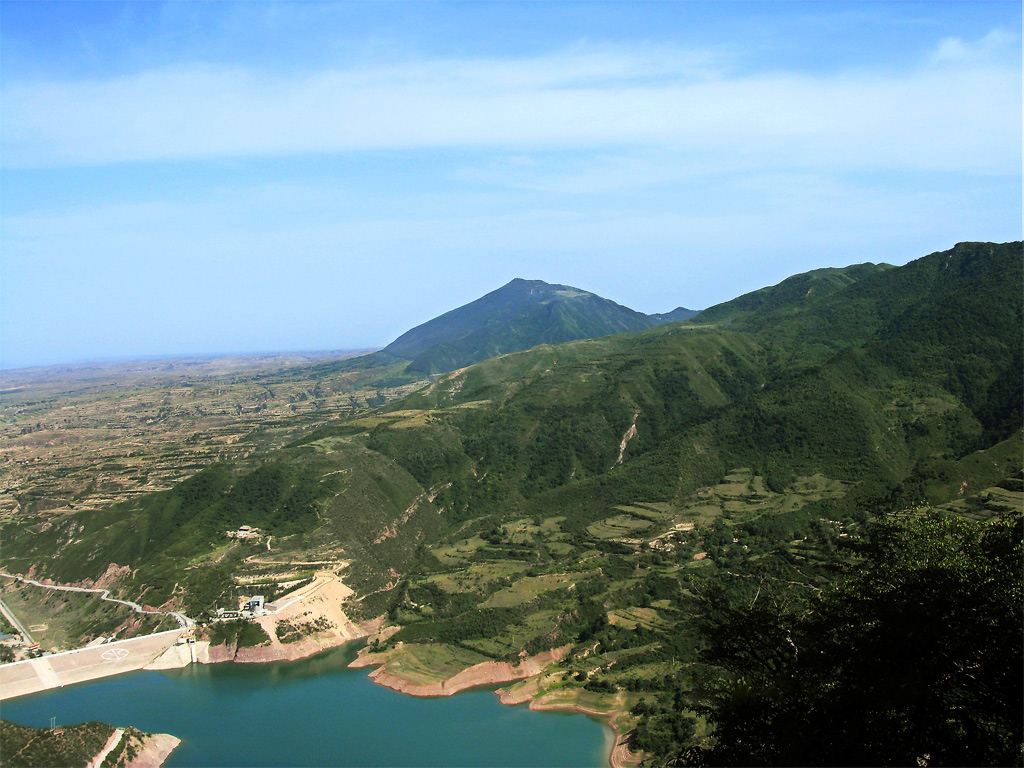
(198, 178)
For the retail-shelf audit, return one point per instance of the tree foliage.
(916, 660)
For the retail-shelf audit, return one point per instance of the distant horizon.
(184, 355)
(312, 176)
(172, 356)
(358, 351)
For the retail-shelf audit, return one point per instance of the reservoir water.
(317, 712)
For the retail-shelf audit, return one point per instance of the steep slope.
(967, 293)
(907, 366)
(517, 316)
(923, 368)
(792, 295)
(324, 497)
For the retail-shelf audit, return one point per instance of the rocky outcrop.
(523, 693)
(111, 576)
(177, 656)
(216, 654)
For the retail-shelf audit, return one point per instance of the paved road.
(110, 746)
(183, 620)
(25, 636)
(60, 669)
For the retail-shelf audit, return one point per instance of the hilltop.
(517, 316)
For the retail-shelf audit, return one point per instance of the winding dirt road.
(183, 620)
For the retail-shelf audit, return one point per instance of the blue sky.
(213, 177)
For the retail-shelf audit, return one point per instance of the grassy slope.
(544, 424)
(792, 296)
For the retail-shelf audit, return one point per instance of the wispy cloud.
(988, 50)
(925, 117)
(191, 205)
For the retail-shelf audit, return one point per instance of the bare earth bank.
(277, 651)
(153, 750)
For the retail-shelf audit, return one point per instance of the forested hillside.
(651, 498)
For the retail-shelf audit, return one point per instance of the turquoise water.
(316, 712)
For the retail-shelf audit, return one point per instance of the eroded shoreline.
(528, 678)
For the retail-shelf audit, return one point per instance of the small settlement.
(245, 532)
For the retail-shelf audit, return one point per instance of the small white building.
(254, 607)
(245, 532)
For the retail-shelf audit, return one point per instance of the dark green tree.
(915, 660)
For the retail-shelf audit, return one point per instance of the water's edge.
(317, 712)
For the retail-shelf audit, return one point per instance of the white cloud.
(996, 44)
(659, 98)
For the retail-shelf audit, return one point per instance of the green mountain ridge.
(792, 295)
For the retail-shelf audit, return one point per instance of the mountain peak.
(517, 316)
(520, 282)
